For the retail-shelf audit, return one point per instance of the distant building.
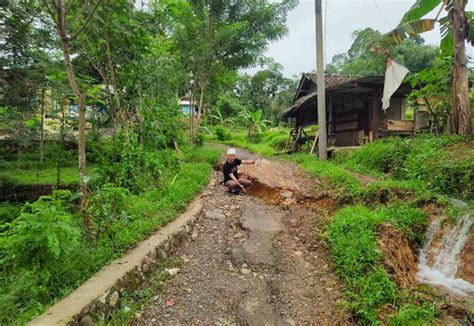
(353, 109)
(185, 105)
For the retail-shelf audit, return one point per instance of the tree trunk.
(201, 103)
(462, 122)
(82, 108)
(42, 130)
(113, 79)
(191, 111)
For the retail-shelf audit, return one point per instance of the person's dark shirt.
(231, 168)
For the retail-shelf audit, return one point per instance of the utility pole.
(321, 87)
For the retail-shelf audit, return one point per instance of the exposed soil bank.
(23, 193)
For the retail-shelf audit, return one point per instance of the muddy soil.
(255, 259)
(23, 193)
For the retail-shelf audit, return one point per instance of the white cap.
(231, 151)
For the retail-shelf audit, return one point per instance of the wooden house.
(354, 112)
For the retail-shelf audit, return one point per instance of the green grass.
(266, 143)
(69, 175)
(352, 239)
(22, 297)
(444, 165)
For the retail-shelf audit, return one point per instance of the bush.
(222, 133)
(132, 167)
(385, 156)
(444, 164)
(107, 206)
(198, 140)
(43, 234)
(8, 212)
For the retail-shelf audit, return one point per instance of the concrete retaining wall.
(101, 293)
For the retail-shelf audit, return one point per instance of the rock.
(86, 321)
(298, 253)
(245, 271)
(293, 222)
(172, 271)
(215, 214)
(194, 236)
(114, 299)
(237, 256)
(161, 254)
(286, 194)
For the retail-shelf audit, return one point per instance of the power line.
(381, 13)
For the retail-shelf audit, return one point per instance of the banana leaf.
(410, 29)
(419, 9)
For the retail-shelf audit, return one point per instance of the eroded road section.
(254, 259)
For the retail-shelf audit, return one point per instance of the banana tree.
(456, 29)
(254, 121)
(221, 120)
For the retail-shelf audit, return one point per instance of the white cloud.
(297, 51)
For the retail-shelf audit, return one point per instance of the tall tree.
(228, 35)
(71, 18)
(361, 59)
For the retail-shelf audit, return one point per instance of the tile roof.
(332, 80)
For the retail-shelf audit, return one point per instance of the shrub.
(43, 234)
(107, 206)
(385, 156)
(8, 212)
(222, 133)
(132, 167)
(198, 140)
(444, 164)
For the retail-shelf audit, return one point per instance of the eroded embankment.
(399, 238)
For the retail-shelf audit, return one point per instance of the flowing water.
(439, 259)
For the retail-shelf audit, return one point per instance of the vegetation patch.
(131, 303)
(70, 255)
(371, 291)
(442, 164)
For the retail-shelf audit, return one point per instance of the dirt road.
(255, 259)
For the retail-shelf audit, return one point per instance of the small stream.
(439, 259)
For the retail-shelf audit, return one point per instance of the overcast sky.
(296, 52)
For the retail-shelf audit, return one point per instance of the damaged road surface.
(254, 259)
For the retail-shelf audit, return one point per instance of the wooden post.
(375, 114)
(314, 142)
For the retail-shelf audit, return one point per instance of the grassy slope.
(69, 175)
(352, 233)
(21, 299)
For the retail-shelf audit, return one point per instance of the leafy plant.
(222, 134)
(107, 206)
(220, 118)
(254, 121)
(432, 92)
(41, 236)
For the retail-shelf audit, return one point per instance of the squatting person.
(231, 177)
